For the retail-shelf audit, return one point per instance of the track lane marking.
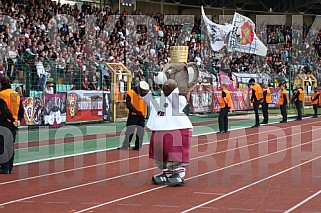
(225, 195)
(125, 159)
(303, 202)
(121, 160)
(250, 185)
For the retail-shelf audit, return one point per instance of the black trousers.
(223, 120)
(298, 106)
(284, 113)
(256, 105)
(265, 107)
(315, 108)
(134, 123)
(8, 164)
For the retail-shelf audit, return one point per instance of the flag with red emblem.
(242, 38)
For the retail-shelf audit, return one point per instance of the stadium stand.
(75, 57)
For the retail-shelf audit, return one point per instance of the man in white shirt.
(198, 59)
(161, 33)
(12, 60)
(42, 74)
(171, 133)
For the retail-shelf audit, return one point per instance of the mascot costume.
(171, 129)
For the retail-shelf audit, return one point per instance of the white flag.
(216, 32)
(243, 38)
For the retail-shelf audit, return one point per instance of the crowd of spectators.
(77, 41)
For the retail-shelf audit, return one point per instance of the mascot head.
(184, 74)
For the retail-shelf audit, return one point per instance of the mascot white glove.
(160, 78)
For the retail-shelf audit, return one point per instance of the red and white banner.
(204, 99)
(201, 99)
(240, 99)
(83, 105)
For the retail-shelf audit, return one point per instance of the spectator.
(34, 31)
(42, 74)
(92, 79)
(49, 89)
(84, 81)
(19, 91)
(12, 60)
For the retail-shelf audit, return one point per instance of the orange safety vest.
(12, 99)
(228, 100)
(301, 95)
(137, 102)
(258, 92)
(281, 99)
(268, 96)
(313, 96)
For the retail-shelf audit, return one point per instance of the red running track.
(267, 169)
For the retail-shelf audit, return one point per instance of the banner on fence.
(225, 78)
(275, 94)
(201, 99)
(205, 98)
(83, 105)
(55, 110)
(240, 99)
(33, 109)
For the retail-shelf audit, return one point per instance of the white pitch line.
(303, 202)
(146, 143)
(125, 159)
(200, 175)
(196, 135)
(208, 193)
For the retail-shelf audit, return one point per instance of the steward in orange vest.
(136, 119)
(257, 95)
(225, 106)
(298, 98)
(11, 111)
(315, 100)
(12, 99)
(265, 103)
(283, 102)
